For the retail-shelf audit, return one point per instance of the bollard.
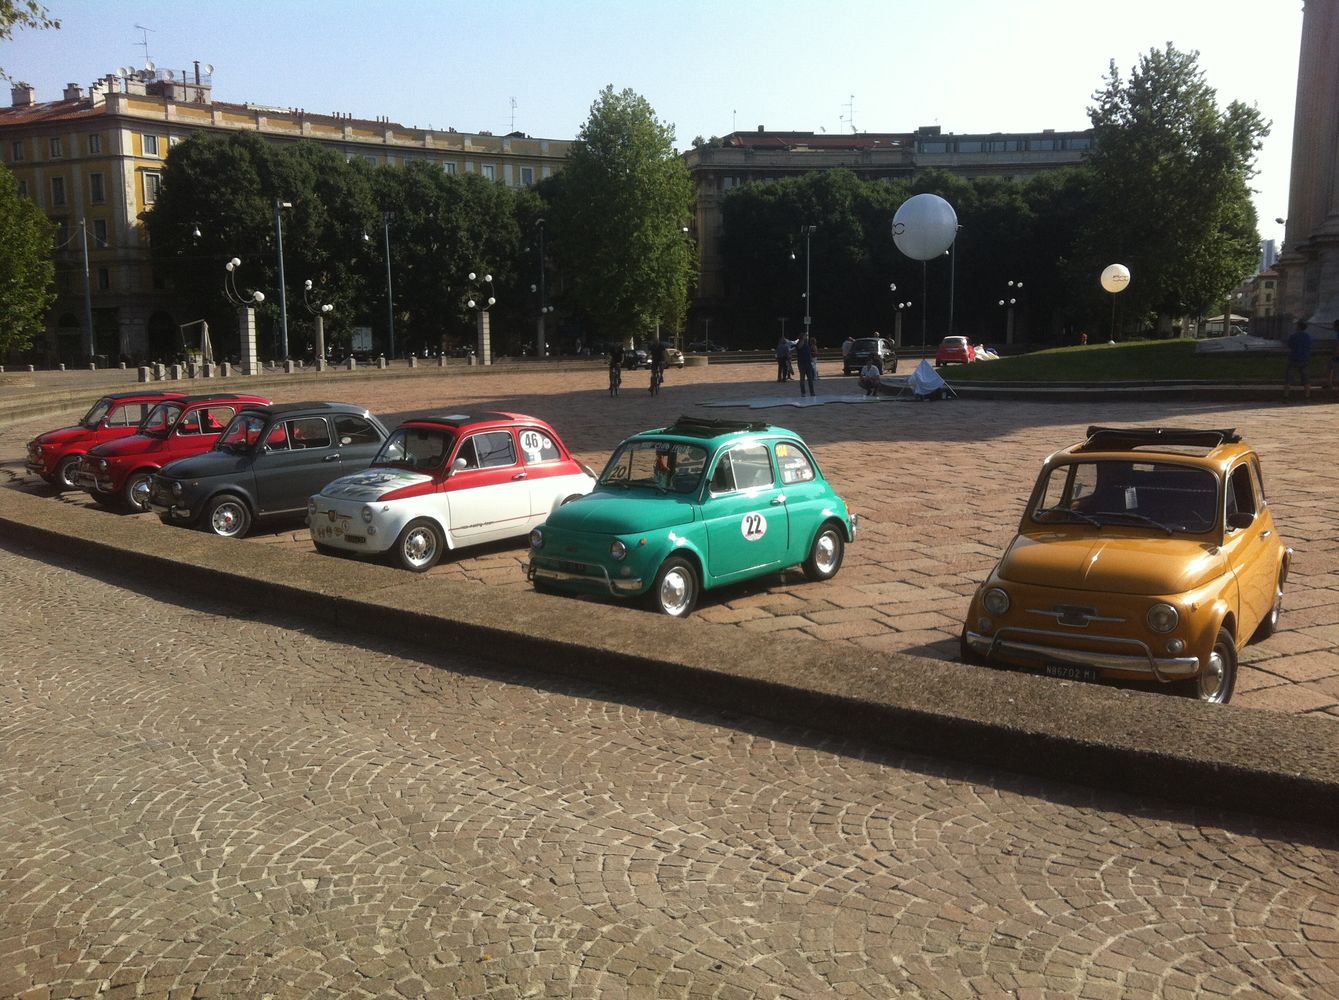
(123, 366)
(142, 373)
(225, 369)
(30, 368)
(381, 361)
(60, 367)
(413, 361)
(207, 370)
(174, 372)
(321, 365)
(92, 366)
(441, 361)
(288, 367)
(351, 363)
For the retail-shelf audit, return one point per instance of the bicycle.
(657, 377)
(615, 379)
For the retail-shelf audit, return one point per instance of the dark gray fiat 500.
(265, 464)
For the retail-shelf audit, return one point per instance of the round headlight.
(996, 601)
(102, 464)
(1162, 618)
(617, 550)
(311, 507)
(176, 489)
(367, 513)
(536, 538)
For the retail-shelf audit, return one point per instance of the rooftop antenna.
(733, 126)
(513, 115)
(145, 31)
(850, 113)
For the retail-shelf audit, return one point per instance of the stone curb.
(1145, 743)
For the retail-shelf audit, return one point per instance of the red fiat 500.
(55, 455)
(954, 350)
(118, 472)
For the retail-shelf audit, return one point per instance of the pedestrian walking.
(784, 348)
(808, 365)
(1299, 360)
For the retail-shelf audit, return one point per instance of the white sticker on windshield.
(753, 527)
(1131, 499)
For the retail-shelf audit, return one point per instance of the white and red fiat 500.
(447, 481)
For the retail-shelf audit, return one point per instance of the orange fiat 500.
(1144, 554)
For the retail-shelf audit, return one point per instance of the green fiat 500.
(691, 506)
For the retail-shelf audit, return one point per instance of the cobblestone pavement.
(195, 802)
(939, 487)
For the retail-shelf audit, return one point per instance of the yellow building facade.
(93, 162)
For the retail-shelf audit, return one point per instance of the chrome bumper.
(616, 588)
(1013, 642)
(88, 481)
(167, 509)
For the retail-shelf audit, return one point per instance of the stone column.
(484, 351)
(246, 327)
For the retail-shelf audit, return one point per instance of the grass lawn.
(1146, 360)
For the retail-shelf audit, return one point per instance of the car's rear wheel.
(64, 477)
(1269, 625)
(226, 516)
(675, 590)
(419, 546)
(825, 554)
(135, 492)
(1217, 679)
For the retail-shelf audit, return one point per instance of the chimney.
(73, 92)
(762, 128)
(23, 95)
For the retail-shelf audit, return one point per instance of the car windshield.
(161, 419)
(667, 466)
(94, 416)
(1164, 496)
(415, 448)
(242, 434)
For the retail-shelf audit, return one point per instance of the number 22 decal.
(753, 526)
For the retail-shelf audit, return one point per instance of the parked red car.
(954, 350)
(118, 472)
(56, 454)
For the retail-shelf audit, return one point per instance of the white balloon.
(925, 226)
(1115, 277)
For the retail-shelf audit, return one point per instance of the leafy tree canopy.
(26, 269)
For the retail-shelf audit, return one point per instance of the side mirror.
(1240, 519)
(459, 464)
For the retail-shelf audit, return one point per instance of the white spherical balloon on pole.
(1115, 279)
(924, 227)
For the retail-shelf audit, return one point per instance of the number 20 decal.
(753, 527)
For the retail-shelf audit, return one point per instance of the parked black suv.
(880, 347)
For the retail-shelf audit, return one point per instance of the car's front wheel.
(825, 554)
(1219, 675)
(419, 546)
(675, 590)
(226, 516)
(64, 477)
(135, 492)
(1269, 625)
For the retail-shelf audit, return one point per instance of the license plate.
(1069, 672)
(355, 538)
(571, 567)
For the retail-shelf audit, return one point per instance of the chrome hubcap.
(1211, 681)
(226, 520)
(674, 592)
(825, 552)
(67, 473)
(139, 493)
(419, 546)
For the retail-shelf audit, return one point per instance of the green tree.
(617, 219)
(1170, 175)
(17, 14)
(26, 269)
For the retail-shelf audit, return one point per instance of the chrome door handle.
(1265, 534)
(519, 475)
(778, 500)
(331, 458)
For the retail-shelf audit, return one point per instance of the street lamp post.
(476, 299)
(246, 315)
(541, 340)
(807, 231)
(319, 311)
(897, 332)
(283, 298)
(897, 326)
(1015, 288)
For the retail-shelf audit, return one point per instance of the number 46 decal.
(753, 526)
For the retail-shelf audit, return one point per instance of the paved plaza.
(196, 801)
(939, 487)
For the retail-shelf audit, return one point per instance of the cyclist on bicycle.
(615, 367)
(657, 352)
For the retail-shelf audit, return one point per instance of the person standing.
(847, 344)
(1299, 360)
(808, 365)
(783, 349)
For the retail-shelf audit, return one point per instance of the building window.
(95, 143)
(1081, 142)
(969, 146)
(448, 168)
(153, 183)
(100, 233)
(934, 147)
(57, 147)
(104, 279)
(23, 189)
(16, 151)
(527, 176)
(150, 145)
(490, 172)
(62, 233)
(58, 191)
(1042, 145)
(96, 188)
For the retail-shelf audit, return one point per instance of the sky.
(707, 67)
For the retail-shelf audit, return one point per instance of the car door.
(296, 458)
(545, 471)
(747, 521)
(358, 439)
(486, 490)
(1248, 548)
(808, 496)
(197, 431)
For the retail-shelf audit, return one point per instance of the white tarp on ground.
(925, 381)
(1228, 345)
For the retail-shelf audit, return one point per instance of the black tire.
(1270, 623)
(64, 477)
(676, 588)
(825, 554)
(893, 370)
(419, 546)
(227, 516)
(135, 491)
(1217, 680)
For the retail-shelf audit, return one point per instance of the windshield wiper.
(1133, 515)
(1071, 512)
